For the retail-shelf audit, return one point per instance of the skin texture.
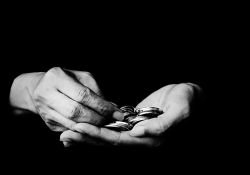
(176, 100)
(63, 98)
(71, 102)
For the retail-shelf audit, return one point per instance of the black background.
(129, 60)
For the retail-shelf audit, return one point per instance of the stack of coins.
(132, 116)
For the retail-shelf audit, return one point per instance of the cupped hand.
(66, 97)
(175, 100)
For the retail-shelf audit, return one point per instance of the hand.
(63, 98)
(174, 100)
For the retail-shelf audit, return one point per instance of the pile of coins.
(132, 116)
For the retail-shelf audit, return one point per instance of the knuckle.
(184, 93)
(186, 86)
(84, 94)
(88, 74)
(39, 96)
(76, 113)
(90, 78)
(105, 110)
(53, 72)
(193, 91)
(38, 92)
(91, 83)
(193, 87)
(100, 121)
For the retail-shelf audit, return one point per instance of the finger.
(151, 127)
(86, 79)
(79, 138)
(113, 137)
(69, 144)
(87, 97)
(74, 110)
(176, 111)
(58, 118)
(104, 134)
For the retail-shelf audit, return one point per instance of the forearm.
(22, 89)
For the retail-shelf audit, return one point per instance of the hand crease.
(117, 142)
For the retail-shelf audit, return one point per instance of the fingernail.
(137, 131)
(78, 130)
(118, 115)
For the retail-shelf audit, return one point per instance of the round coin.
(149, 109)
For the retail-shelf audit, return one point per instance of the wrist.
(22, 89)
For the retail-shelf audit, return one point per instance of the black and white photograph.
(115, 97)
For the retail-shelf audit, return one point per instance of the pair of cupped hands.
(71, 102)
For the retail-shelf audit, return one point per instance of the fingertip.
(63, 135)
(66, 144)
(137, 131)
(118, 115)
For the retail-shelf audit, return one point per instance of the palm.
(174, 100)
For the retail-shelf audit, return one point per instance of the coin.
(132, 116)
(149, 114)
(128, 111)
(129, 118)
(138, 119)
(149, 109)
(118, 125)
(127, 108)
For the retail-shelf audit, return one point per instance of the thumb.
(151, 127)
(157, 126)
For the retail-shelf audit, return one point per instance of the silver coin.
(129, 118)
(128, 109)
(118, 125)
(149, 109)
(138, 119)
(149, 114)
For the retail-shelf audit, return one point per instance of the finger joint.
(84, 95)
